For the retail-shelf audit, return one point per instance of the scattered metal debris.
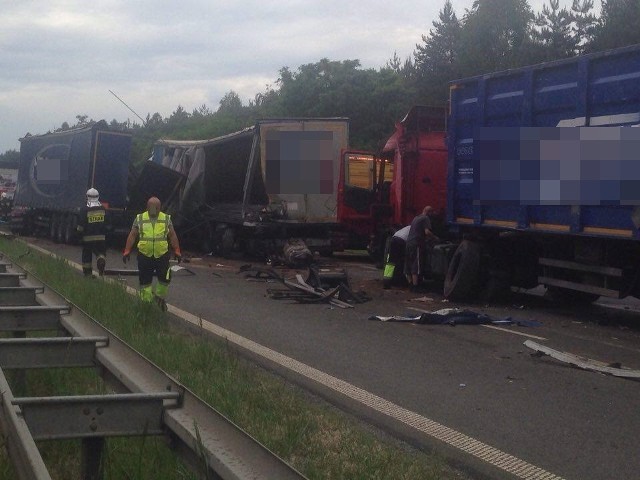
(303, 291)
(178, 268)
(584, 363)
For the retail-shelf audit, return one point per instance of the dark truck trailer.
(255, 189)
(57, 169)
(543, 177)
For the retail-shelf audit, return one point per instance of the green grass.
(318, 440)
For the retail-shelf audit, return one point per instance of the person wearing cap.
(93, 228)
(155, 234)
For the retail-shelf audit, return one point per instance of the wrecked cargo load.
(254, 189)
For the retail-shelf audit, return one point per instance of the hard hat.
(92, 198)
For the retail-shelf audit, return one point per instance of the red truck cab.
(379, 194)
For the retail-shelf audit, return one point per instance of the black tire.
(463, 273)
(54, 227)
(60, 229)
(227, 242)
(498, 286)
(69, 232)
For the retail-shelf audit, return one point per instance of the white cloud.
(60, 58)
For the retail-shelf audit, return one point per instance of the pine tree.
(436, 59)
(584, 24)
(618, 24)
(496, 35)
(554, 31)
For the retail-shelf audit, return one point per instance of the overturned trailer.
(255, 189)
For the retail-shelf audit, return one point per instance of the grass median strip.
(318, 440)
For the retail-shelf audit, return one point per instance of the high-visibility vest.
(92, 224)
(153, 235)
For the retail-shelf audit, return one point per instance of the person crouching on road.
(93, 228)
(155, 234)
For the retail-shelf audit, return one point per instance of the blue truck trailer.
(57, 169)
(543, 181)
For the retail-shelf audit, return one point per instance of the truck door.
(357, 182)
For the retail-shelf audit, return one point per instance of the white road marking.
(476, 448)
(487, 453)
(493, 327)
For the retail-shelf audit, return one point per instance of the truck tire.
(462, 276)
(54, 228)
(59, 238)
(69, 230)
(227, 242)
(497, 286)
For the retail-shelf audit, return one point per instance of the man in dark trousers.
(420, 236)
(155, 235)
(93, 228)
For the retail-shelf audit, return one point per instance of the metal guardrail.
(147, 400)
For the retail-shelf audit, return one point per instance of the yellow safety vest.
(153, 235)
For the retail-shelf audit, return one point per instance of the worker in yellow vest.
(155, 235)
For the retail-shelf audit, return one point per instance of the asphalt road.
(479, 381)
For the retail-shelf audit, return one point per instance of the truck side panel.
(111, 167)
(300, 163)
(596, 90)
(54, 170)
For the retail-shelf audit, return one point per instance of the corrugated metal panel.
(594, 90)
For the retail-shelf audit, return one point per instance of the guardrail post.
(20, 376)
(91, 468)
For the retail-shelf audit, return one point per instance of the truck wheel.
(53, 226)
(227, 242)
(69, 234)
(206, 238)
(462, 275)
(60, 229)
(497, 286)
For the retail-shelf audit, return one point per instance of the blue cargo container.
(585, 246)
(57, 169)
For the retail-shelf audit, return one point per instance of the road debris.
(424, 299)
(454, 316)
(583, 362)
(178, 268)
(302, 291)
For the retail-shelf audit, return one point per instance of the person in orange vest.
(93, 228)
(155, 234)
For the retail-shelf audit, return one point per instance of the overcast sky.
(60, 58)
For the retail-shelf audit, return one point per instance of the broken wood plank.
(583, 362)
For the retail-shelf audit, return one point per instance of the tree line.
(490, 36)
